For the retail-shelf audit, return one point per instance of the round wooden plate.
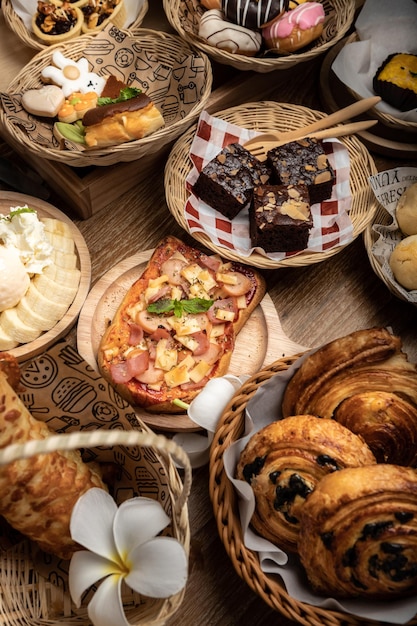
(260, 341)
(9, 199)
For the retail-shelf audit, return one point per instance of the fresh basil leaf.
(164, 305)
(196, 305)
(179, 307)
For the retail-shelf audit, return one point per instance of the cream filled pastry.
(296, 28)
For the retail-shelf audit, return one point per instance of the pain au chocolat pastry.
(365, 381)
(284, 461)
(39, 493)
(359, 533)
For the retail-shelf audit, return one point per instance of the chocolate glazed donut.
(253, 14)
(358, 533)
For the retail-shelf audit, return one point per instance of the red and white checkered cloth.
(331, 223)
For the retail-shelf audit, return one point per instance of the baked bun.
(53, 23)
(112, 124)
(39, 493)
(253, 14)
(295, 29)
(367, 377)
(224, 35)
(403, 262)
(358, 533)
(406, 211)
(284, 462)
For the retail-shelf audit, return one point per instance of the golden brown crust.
(358, 533)
(117, 336)
(39, 493)
(367, 375)
(284, 462)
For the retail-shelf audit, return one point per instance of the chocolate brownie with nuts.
(305, 161)
(280, 218)
(226, 183)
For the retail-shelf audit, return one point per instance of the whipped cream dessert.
(23, 231)
(14, 279)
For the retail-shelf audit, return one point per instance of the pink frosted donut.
(296, 28)
(253, 14)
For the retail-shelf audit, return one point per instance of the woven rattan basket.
(28, 598)
(16, 24)
(266, 116)
(179, 99)
(224, 498)
(184, 17)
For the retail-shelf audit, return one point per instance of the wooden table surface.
(315, 304)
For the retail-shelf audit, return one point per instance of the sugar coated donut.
(296, 28)
(253, 13)
(227, 36)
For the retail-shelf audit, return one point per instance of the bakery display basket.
(268, 587)
(17, 25)
(175, 76)
(269, 116)
(31, 598)
(184, 17)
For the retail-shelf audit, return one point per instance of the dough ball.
(406, 211)
(403, 262)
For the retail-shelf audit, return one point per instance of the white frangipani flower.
(122, 546)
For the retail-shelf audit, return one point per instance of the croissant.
(37, 495)
(359, 533)
(365, 382)
(284, 461)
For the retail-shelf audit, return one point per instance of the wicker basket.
(26, 597)
(266, 116)
(184, 16)
(226, 511)
(16, 24)
(180, 97)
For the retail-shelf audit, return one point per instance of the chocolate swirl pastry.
(253, 14)
(359, 533)
(365, 382)
(284, 461)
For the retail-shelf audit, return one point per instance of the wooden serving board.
(10, 199)
(261, 341)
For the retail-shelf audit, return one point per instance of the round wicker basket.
(184, 17)
(226, 511)
(163, 52)
(26, 597)
(267, 116)
(16, 24)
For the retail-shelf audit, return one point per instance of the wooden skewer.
(262, 147)
(326, 122)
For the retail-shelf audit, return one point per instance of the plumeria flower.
(122, 546)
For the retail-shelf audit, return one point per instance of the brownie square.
(303, 161)
(280, 218)
(226, 183)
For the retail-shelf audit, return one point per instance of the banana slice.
(60, 242)
(61, 294)
(41, 304)
(27, 315)
(54, 226)
(68, 277)
(16, 329)
(6, 342)
(67, 260)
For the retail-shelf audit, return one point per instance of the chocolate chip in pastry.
(359, 533)
(365, 381)
(284, 461)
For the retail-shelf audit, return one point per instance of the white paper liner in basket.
(331, 223)
(62, 390)
(262, 409)
(388, 187)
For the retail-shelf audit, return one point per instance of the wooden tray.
(261, 340)
(26, 351)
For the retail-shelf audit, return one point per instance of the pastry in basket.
(175, 328)
(295, 29)
(403, 262)
(225, 35)
(253, 13)
(284, 461)
(38, 494)
(358, 533)
(365, 381)
(406, 211)
(57, 23)
(99, 13)
(396, 81)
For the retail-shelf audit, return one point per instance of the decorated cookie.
(72, 76)
(253, 14)
(227, 36)
(44, 102)
(296, 28)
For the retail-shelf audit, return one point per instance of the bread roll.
(406, 211)
(403, 262)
